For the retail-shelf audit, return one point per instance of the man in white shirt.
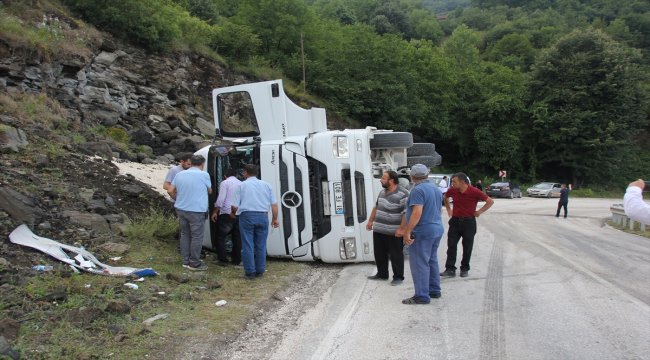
(635, 208)
(225, 224)
(443, 184)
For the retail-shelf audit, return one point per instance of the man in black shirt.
(563, 202)
(479, 184)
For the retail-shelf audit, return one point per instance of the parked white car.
(545, 189)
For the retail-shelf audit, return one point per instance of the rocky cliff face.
(65, 114)
(163, 103)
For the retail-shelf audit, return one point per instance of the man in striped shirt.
(386, 219)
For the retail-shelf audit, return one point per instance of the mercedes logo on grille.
(291, 199)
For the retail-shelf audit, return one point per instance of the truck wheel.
(390, 140)
(420, 149)
(429, 161)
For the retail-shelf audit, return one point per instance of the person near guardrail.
(635, 208)
(386, 218)
(252, 202)
(563, 202)
(462, 222)
(422, 233)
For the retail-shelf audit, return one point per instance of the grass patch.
(59, 329)
(35, 109)
(47, 29)
(152, 226)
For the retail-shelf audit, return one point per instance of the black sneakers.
(464, 273)
(449, 273)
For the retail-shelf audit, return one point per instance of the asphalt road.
(540, 288)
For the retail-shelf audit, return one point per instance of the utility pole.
(302, 53)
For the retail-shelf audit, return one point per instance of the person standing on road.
(252, 201)
(190, 188)
(422, 233)
(635, 208)
(443, 184)
(462, 222)
(385, 220)
(563, 202)
(184, 164)
(479, 185)
(225, 224)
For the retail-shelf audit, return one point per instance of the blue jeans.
(254, 229)
(192, 226)
(423, 260)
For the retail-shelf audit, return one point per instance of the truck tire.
(390, 140)
(420, 149)
(429, 161)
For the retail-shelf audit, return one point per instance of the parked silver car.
(545, 189)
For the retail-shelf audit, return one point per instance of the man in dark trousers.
(563, 202)
(462, 222)
(385, 220)
(225, 224)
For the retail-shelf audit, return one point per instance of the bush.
(153, 24)
(117, 134)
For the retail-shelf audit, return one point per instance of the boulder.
(21, 208)
(106, 58)
(88, 220)
(101, 148)
(11, 139)
(114, 248)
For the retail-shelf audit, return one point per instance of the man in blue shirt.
(184, 164)
(423, 232)
(563, 202)
(190, 188)
(252, 201)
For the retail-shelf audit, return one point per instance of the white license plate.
(338, 197)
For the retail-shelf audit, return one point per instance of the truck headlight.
(340, 147)
(348, 249)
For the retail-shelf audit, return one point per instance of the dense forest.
(547, 89)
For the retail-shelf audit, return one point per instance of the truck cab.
(326, 181)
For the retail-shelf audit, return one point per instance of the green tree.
(514, 51)
(588, 107)
(277, 23)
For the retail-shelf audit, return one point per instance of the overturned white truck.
(326, 181)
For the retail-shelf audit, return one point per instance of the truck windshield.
(236, 115)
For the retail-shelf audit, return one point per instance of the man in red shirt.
(462, 222)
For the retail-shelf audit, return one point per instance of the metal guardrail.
(619, 218)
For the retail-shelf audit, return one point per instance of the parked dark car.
(504, 190)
